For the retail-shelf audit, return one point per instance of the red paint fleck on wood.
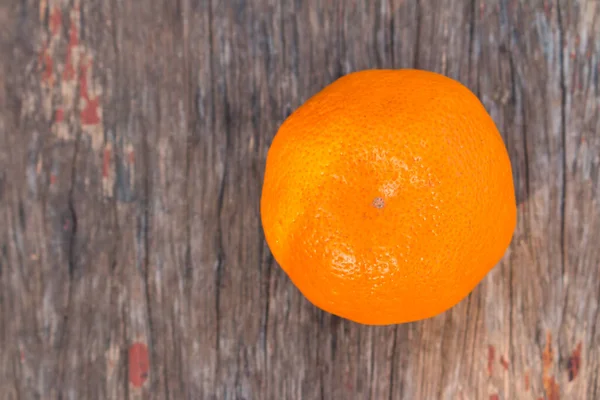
(73, 34)
(69, 71)
(55, 22)
(59, 115)
(139, 364)
(52, 179)
(551, 387)
(131, 157)
(90, 114)
(491, 356)
(84, 69)
(504, 362)
(84, 90)
(527, 381)
(105, 162)
(47, 67)
(574, 363)
(494, 397)
(547, 355)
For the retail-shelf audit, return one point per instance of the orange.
(388, 196)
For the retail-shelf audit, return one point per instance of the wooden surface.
(133, 137)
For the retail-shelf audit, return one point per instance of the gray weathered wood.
(133, 138)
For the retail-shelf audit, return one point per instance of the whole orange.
(388, 196)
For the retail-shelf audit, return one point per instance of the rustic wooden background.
(133, 137)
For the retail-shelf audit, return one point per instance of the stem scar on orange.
(388, 196)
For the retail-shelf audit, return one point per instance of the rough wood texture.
(133, 137)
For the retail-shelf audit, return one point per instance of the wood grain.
(133, 137)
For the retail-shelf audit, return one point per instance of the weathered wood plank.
(132, 147)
